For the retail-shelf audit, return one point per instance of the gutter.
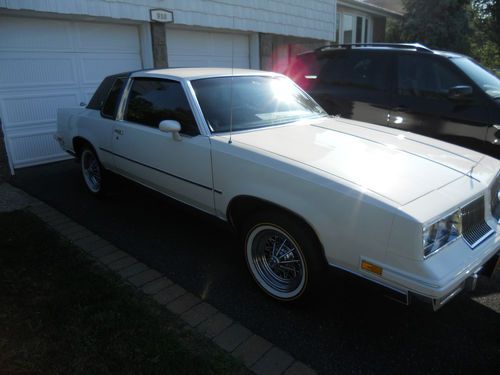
(371, 8)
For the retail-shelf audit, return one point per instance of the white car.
(304, 189)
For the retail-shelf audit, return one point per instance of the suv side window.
(426, 77)
(153, 100)
(362, 70)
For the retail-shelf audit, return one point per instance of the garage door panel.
(21, 70)
(35, 148)
(49, 64)
(185, 41)
(35, 34)
(32, 109)
(97, 66)
(188, 48)
(107, 37)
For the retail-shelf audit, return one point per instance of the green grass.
(61, 313)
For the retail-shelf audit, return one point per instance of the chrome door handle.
(119, 131)
(497, 127)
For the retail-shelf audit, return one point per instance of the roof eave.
(370, 8)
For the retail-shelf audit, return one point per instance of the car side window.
(111, 103)
(97, 100)
(426, 77)
(152, 100)
(362, 70)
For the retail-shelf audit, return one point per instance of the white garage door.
(47, 64)
(186, 48)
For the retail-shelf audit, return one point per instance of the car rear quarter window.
(362, 70)
(101, 93)
(426, 77)
(111, 103)
(152, 100)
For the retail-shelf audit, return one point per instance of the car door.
(355, 84)
(422, 103)
(180, 168)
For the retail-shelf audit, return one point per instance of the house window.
(347, 28)
(352, 28)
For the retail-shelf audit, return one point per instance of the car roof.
(198, 73)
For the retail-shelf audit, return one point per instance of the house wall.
(309, 19)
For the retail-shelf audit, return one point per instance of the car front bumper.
(468, 284)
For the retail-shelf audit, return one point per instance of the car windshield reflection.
(249, 102)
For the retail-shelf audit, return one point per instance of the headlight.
(446, 230)
(495, 198)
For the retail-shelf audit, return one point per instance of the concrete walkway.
(259, 355)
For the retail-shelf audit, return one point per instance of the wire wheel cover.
(91, 171)
(276, 261)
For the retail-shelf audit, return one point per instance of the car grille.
(474, 228)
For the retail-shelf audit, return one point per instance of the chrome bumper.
(469, 284)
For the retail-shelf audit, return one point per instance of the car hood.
(399, 166)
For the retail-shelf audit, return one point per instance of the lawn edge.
(257, 354)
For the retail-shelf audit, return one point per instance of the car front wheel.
(282, 256)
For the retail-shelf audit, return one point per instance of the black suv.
(406, 86)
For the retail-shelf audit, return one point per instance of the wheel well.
(78, 144)
(243, 206)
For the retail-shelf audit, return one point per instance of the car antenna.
(231, 88)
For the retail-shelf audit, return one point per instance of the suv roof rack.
(415, 46)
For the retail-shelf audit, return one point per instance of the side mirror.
(460, 92)
(171, 126)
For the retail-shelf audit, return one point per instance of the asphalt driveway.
(353, 329)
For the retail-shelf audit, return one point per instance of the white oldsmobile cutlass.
(305, 190)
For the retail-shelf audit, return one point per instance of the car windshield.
(251, 102)
(484, 79)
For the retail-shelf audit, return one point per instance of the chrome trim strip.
(162, 171)
(196, 108)
(437, 303)
(443, 247)
(121, 108)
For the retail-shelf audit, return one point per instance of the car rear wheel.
(282, 256)
(92, 171)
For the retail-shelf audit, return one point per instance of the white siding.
(302, 18)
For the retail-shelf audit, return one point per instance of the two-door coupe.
(304, 189)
